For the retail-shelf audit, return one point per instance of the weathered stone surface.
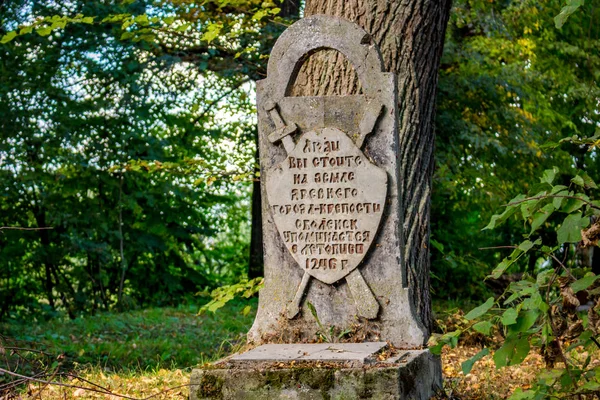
(362, 292)
(326, 199)
(356, 353)
(413, 374)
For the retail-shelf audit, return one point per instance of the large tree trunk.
(410, 35)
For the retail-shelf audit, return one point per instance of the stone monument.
(332, 229)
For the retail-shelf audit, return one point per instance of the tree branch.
(101, 390)
(589, 203)
(19, 228)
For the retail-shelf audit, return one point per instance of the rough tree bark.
(410, 34)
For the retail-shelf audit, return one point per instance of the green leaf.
(246, 310)
(483, 327)
(558, 188)
(500, 268)
(182, 27)
(480, 310)
(467, 366)
(509, 317)
(557, 201)
(437, 245)
(115, 18)
(578, 180)
(550, 145)
(142, 20)
(450, 339)
(584, 283)
(525, 321)
(260, 14)
(543, 277)
(517, 199)
(541, 216)
(512, 352)
(44, 31)
(591, 386)
(498, 219)
(59, 24)
(529, 207)
(436, 349)
(589, 182)
(519, 394)
(214, 306)
(510, 260)
(127, 35)
(566, 11)
(549, 376)
(8, 37)
(570, 229)
(549, 175)
(212, 32)
(526, 246)
(313, 311)
(26, 29)
(535, 302)
(574, 204)
(87, 20)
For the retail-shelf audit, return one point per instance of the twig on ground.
(97, 389)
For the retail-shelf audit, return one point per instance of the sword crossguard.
(282, 131)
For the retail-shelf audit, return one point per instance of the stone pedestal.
(320, 371)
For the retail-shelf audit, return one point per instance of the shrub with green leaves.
(554, 309)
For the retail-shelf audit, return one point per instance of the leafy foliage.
(511, 86)
(115, 134)
(556, 308)
(224, 294)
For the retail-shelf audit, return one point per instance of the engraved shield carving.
(327, 200)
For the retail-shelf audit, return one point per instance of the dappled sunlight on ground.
(485, 381)
(160, 384)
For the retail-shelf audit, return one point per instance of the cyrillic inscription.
(327, 200)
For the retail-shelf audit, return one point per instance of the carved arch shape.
(317, 33)
(294, 76)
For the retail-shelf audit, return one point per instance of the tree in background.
(510, 82)
(100, 130)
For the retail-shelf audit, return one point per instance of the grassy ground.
(142, 353)
(140, 340)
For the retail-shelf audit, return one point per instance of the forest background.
(128, 147)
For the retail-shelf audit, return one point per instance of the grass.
(140, 340)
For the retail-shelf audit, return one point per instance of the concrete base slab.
(321, 372)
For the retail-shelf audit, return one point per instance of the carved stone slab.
(327, 200)
(358, 353)
(374, 296)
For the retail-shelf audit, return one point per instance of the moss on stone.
(210, 387)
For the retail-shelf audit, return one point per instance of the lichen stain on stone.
(309, 377)
(210, 387)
